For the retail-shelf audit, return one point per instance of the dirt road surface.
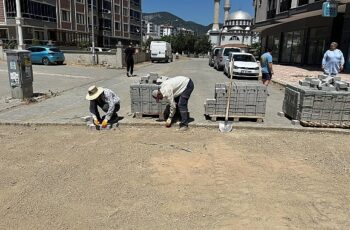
(154, 178)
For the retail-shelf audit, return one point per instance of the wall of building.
(112, 60)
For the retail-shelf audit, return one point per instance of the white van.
(161, 51)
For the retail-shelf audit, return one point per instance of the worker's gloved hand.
(168, 122)
(104, 123)
(96, 122)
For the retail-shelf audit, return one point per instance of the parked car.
(46, 55)
(212, 56)
(100, 49)
(161, 51)
(242, 64)
(222, 55)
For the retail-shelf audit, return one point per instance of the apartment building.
(298, 33)
(68, 22)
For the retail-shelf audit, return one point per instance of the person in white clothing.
(176, 89)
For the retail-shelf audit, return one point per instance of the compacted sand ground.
(157, 178)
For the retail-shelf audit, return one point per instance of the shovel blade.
(225, 127)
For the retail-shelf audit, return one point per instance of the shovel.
(226, 126)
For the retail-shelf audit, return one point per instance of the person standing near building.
(266, 67)
(129, 59)
(333, 60)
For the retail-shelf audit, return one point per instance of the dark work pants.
(130, 65)
(183, 103)
(104, 107)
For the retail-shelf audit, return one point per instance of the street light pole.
(92, 32)
(19, 25)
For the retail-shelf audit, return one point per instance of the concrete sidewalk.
(292, 74)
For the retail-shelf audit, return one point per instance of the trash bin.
(20, 73)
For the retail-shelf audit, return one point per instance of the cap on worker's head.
(94, 92)
(155, 94)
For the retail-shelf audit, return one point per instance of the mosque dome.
(240, 15)
(236, 28)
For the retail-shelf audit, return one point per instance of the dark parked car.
(213, 55)
(46, 55)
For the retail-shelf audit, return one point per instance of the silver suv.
(222, 55)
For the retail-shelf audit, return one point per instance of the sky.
(200, 11)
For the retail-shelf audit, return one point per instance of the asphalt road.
(71, 83)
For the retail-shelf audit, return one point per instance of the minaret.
(227, 8)
(216, 15)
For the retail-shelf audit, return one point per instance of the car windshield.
(228, 50)
(244, 58)
(105, 50)
(55, 50)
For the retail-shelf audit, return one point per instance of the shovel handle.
(229, 97)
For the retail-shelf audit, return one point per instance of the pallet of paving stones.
(248, 101)
(319, 102)
(344, 125)
(236, 118)
(142, 102)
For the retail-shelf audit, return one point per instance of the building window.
(117, 26)
(3, 34)
(125, 12)
(32, 9)
(126, 28)
(271, 12)
(65, 16)
(117, 9)
(80, 18)
(135, 15)
(292, 47)
(285, 5)
(303, 2)
(135, 2)
(317, 45)
(79, 1)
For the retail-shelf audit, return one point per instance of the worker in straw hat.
(107, 100)
(176, 90)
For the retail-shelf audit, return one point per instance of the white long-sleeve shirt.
(332, 60)
(173, 88)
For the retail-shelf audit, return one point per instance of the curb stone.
(208, 126)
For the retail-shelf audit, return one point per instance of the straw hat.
(94, 92)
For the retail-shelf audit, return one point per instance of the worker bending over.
(177, 89)
(108, 101)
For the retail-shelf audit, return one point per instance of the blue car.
(46, 55)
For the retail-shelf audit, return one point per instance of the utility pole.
(92, 32)
(19, 25)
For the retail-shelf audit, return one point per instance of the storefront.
(301, 42)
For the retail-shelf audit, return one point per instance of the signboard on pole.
(330, 9)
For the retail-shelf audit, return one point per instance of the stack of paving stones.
(248, 100)
(142, 102)
(322, 102)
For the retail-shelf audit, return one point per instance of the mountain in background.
(166, 18)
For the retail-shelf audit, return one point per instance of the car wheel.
(60, 63)
(46, 61)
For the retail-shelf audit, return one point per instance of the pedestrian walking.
(129, 59)
(176, 89)
(266, 67)
(108, 101)
(333, 60)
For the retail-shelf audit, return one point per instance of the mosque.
(236, 29)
